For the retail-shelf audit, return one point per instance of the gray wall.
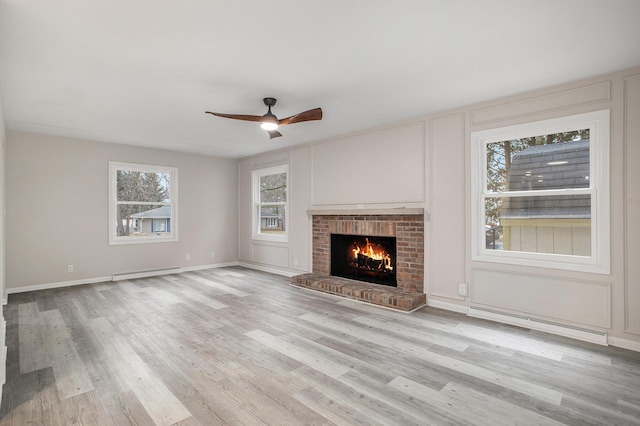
(57, 211)
(426, 163)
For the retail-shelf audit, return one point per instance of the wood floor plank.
(312, 360)
(123, 408)
(216, 285)
(364, 406)
(83, 409)
(32, 339)
(71, 376)
(192, 296)
(334, 411)
(469, 406)
(158, 401)
(35, 401)
(416, 335)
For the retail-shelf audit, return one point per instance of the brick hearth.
(409, 232)
(390, 297)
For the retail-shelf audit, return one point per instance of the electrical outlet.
(188, 257)
(462, 289)
(295, 262)
(69, 268)
(213, 254)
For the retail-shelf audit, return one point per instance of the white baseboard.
(580, 333)
(461, 309)
(619, 342)
(144, 274)
(60, 284)
(287, 273)
(117, 277)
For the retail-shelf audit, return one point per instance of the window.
(540, 193)
(270, 209)
(142, 203)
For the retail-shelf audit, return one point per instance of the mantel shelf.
(367, 212)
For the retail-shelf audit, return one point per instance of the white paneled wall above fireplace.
(378, 167)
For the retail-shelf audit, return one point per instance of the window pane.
(160, 225)
(553, 161)
(272, 219)
(273, 188)
(142, 220)
(541, 224)
(142, 186)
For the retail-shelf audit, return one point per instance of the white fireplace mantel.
(367, 212)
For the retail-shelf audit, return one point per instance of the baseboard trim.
(117, 277)
(439, 304)
(49, 286)
(574, 332)
(271, 270)
(212, 266)
(619, 342)
(143, 274)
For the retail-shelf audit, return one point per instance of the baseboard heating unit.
(574, 332)
(143, 274)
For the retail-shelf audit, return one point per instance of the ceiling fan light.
(267, 125)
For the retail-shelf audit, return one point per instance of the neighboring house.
(153, 221)
(271, 221)
(549, 224)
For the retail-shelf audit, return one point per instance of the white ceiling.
(144, 72)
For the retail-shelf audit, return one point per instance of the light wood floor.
(240, 347)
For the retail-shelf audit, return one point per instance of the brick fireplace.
(406, 225)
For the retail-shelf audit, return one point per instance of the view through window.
(142, 203)
(523, 209)
(540, 193)
(270, 194)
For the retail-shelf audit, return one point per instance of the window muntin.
(541, 195)
(270, 195)
(143, 203)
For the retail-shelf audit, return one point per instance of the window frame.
(170, 236)
(598, 123)
(256, 203)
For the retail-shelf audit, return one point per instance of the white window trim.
(599, 261)
(114, 166)
(255, 190)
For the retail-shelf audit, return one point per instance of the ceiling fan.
(270, 122)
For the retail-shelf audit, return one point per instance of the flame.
(377, 253)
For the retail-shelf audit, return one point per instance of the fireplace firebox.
(365, 258)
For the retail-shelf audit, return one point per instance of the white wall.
(57, 211)
(426, 163)
(3, 291)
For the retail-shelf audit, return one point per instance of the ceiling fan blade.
(256, 118)
(274, 134)
(312, 114)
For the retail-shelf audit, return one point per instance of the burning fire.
(373, 258)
